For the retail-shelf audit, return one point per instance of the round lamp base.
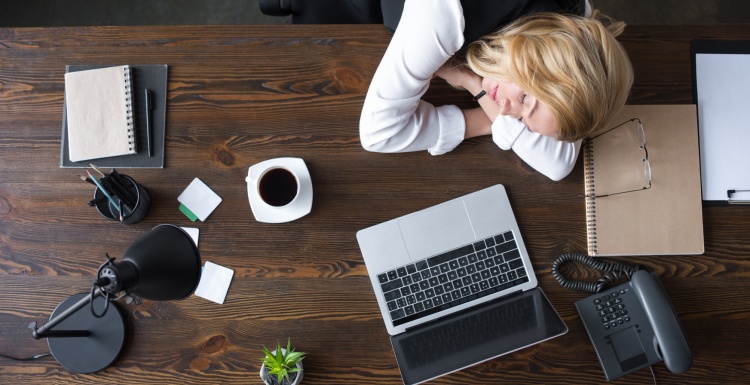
(92, 353)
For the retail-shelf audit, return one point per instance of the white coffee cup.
(279, 190)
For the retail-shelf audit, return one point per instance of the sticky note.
(193, 232)
(214, 283)
(198, 200)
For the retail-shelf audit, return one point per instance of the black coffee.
(278, 187)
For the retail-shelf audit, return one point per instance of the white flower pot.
(297, 380)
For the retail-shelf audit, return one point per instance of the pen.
(118, 180)
(111, 200)
(106, 182)
(95, 201)
(117, 190)
(149, 107)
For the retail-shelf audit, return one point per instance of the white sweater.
(395, 119)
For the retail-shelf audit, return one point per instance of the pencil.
(111, 200)
(96, 169)
(83, 178)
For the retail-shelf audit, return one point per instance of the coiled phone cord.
(617, 270)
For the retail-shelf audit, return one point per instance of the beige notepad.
(666, 219)
(99, 111)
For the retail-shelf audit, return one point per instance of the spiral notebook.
(623, 218)
(143, 76)
(99, 113)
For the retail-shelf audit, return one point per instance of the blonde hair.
(572, 64)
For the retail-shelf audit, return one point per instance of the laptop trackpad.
(436, 229)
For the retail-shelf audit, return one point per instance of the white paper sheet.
(214, 283)
(722, 82)
(194, 233)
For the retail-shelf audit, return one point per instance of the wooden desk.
(240, 95)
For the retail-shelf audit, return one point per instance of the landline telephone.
(632, 325)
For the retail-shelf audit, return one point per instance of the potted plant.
(282, 366)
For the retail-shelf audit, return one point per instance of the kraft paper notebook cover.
(143, 76)
(666, 219)
(99, 113)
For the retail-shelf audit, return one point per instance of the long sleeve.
(394, 118)
(551, 157)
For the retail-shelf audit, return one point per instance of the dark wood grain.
(240, 95)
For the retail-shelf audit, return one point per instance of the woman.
(543, 83)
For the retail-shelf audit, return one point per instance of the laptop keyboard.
(437, 283)
(453, 338)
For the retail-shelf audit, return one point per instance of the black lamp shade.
(166, 262)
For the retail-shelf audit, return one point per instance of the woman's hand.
(460, 76)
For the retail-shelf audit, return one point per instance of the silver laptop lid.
(452, 225)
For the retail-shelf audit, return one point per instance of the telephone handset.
(632, 325)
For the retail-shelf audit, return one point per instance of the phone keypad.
(611, 309)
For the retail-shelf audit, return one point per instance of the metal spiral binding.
(127, 74)
(590, 192)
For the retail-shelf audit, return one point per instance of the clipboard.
(721, 78)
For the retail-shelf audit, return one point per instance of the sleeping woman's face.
(518, 104)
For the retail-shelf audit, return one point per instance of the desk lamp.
(161, 265)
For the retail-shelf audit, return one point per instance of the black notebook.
(142, 77)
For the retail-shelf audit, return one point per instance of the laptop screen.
(479, 334)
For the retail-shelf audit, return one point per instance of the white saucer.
(297, 208)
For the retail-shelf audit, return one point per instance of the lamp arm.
(45, 332)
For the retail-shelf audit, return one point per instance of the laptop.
(455, 285)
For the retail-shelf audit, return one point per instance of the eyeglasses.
(642, 144)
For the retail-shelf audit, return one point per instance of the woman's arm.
(394, 118)
(549, 156)
(477, 123)
(478, 120)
